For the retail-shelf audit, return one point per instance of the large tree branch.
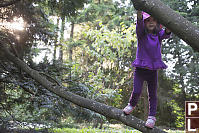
(172, 20)
(100, 108)
(8, 3)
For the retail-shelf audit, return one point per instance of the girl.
(148, 61)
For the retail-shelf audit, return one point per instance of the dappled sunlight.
(17, 24)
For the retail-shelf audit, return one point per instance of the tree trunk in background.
(101, 123)
(181, 81)
(107, 111)
(71, 48)
(171, 19)
(161, 101)
(56, 42)
(62, 39)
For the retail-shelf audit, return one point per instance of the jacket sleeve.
(140, 28)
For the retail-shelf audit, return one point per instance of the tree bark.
(63, 18)
(180, 26)
(56, 42)
(71, 48)
(107, 111)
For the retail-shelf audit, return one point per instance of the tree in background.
(23, 100)
(96, 64)
(182, 57)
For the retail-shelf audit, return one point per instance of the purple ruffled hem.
(155, 65)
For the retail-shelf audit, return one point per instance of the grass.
(107, 128)
(95, 130)
(175, 131)
(91, 130)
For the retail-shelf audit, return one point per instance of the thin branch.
(58, 83)
(9, 113)
(27, 90)
(5, 18)
(9, 3)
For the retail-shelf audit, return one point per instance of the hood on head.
(146, 15)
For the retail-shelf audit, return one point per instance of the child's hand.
(139, 15)
(167, 31)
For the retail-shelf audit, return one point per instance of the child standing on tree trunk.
(148, 61)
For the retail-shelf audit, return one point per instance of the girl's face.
(150, 24)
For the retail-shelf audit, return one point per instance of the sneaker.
(128, 109)
(150, 122)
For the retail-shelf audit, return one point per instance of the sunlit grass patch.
(175, 131)
(92, 130)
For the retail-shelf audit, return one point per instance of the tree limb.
(57, 82)
(8, 3)
(108, 111)
(183, 28)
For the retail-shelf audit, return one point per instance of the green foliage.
(180, 121)
(107, 52)
(103, 46)
(62, 7)
(184, 61)
(109, 12)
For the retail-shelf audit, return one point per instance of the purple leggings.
(151, 76)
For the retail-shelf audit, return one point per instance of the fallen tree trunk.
(183, 28)
(108, 111)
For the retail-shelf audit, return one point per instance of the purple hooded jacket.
(149, 48)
